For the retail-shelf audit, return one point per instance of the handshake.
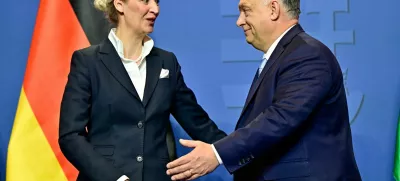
(199, 162)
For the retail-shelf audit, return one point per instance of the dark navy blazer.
(295, 122)
(126, 136)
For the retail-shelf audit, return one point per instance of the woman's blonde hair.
(107, 6)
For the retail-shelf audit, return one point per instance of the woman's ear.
(119, 5)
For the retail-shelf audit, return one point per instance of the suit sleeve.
(301, 86)
(74, 117)
(190, 115)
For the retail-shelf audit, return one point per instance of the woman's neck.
(132, 42)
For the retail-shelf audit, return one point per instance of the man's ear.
(275, 9)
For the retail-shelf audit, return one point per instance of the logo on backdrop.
(235, 95)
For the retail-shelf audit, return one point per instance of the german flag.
(61, 27)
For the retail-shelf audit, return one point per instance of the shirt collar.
(119, 47)
(273, 46)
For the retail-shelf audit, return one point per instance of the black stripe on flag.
(93, 21)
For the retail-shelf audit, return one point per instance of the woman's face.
(138, 15)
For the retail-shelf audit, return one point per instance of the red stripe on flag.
(56, 35)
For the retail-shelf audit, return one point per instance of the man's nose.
(240, 21)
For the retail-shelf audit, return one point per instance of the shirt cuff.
(123, 178)
(216, 154)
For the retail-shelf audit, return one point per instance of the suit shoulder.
(87, 55)
(162, 52)
(316, 50)
(89, 51)
(314, 45)
(306, 49)
(166, 55)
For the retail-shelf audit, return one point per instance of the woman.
(115, 109)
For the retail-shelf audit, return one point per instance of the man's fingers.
(179, 169)
(194, 177)
(188, 143)
(184, 175)
(180, 161)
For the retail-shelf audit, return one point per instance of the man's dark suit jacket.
(295, 123)
(126, 136)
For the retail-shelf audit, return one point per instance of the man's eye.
(246, 12)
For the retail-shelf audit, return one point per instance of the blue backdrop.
(218, 65)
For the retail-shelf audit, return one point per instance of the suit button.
(139, 158)
(140, 124)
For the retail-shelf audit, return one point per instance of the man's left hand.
(200, 161)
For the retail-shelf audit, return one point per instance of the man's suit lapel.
(153, 70)
(286, 39)
(275, 55)
(112, 61)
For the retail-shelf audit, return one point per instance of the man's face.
(255, 20)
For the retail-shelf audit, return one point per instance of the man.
(294, 125)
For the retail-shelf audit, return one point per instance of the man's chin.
(249, 40)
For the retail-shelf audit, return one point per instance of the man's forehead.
(243, 3)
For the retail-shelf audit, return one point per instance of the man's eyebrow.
(244, 5)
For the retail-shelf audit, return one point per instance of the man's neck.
(132, 42)
(281, 28)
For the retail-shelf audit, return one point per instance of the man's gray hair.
(292, 7)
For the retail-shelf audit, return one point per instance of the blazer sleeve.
(190, 115)
(74, 117)
(301, 86)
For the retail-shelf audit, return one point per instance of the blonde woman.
(114, 121)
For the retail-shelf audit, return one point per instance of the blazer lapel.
(275, 55)
(286, 39)
(112, 61)
(253, 89)
(153, 70)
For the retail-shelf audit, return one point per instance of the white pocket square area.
(164, 73)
